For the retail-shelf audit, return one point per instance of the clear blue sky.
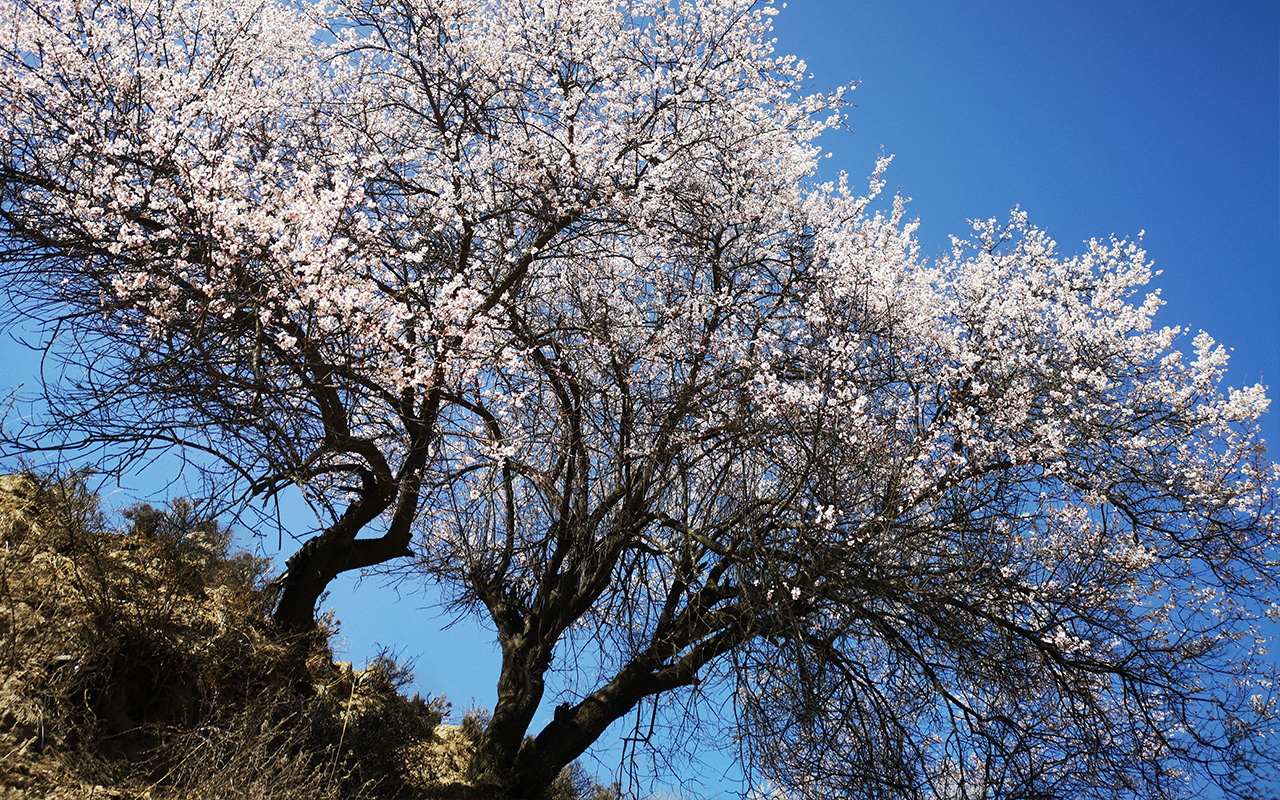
(1095, 117)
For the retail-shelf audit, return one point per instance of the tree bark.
(521, 685)
(524, 767)
(574, 729)
(317, 563)
(322, 558)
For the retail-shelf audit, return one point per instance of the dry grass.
(143, 661)
(140, 663)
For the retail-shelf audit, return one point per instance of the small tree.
(550, 293)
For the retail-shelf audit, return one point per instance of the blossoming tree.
(544, 302)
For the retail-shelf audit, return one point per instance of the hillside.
(138, 661)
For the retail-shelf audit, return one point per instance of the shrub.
(145, 658)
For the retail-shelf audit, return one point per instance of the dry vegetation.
(140, 663)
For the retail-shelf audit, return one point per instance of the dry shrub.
(443, 764)
(575, 783)
(145, 661)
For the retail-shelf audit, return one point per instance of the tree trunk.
(575, 728)
(520, 688)
(322, 558)
(311, 569)
(511, 766)
(301, 585)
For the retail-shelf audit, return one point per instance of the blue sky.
(1096, 118)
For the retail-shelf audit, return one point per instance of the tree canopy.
(545, 302)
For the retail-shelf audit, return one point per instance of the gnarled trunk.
(322, 558)
(520, 689)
